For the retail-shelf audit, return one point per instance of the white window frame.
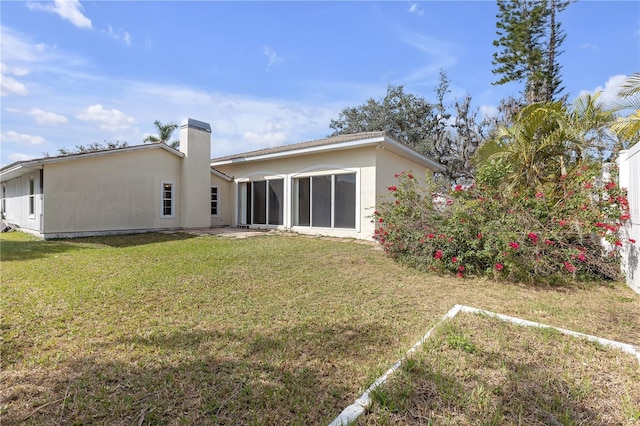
(333, 173)
(4, 198)
(216, 201)
(32, 197)
(173, 200)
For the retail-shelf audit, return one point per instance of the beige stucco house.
(327, 187)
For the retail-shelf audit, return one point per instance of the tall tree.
(528, 46)
(408, 118)
(426, 127)
(164, 134)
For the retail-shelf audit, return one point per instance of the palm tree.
(533, 149)
(589, 121)
(628, 128)
(164, 134)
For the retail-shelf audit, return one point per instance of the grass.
(478, 370)
(278, 329)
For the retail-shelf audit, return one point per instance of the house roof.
(356, 140)
(19, 168)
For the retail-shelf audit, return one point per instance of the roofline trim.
(60, 158)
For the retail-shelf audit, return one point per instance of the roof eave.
(302, 151)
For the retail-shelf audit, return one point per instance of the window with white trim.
(32, 196)
(327, 201)
(4, 198)
(167, 208)
(214, 200)
(261, 202)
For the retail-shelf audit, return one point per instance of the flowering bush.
(567, 231)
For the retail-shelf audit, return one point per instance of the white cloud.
(11, 86)
(120, 35)
(69, 10)
(489, 111)
(46, 117)
(415, 9)
(608, 93)
(21, 138)
(588, 46)
(272, 56)
(438, 54)
(41, 116)
(16, 156)
(109, 119)
(17, 71)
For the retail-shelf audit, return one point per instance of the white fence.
(629, 167)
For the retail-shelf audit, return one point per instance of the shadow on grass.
(35, 249)
(133, 240)
(28, 250)
(300, 375)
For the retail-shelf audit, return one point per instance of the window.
(168, 200)
(4, 198)
(261, 202)
(32, 196)
(327, 201)
(214, 201)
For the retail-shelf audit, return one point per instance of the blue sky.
(262, 73)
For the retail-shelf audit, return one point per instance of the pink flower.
(569, 266)
(454, 259)
(539, 195)
(438, 254)
(549, 242)
(534, 237)
(396, 175)
(588, 185)
(618, 243)
(625, 216)
(381, 220)
(431, 236)
(410, 176)
(461, 268)
(499, 266)
(610, 185)
(581, 257)
(632, 241)
(479, 235)
(562, 222)
(458, 188)
(514, 245)
(599, 224)
(393, 188)
(460, 275)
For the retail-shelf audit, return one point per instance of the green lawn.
(276, 329)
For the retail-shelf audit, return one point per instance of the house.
(327, 187)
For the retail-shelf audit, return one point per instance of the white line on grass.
(355, 410)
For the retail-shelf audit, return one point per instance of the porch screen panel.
(321, 201)
(302, 202)
(260, 202)
(345, 201)
(276, 197)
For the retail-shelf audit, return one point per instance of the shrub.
(570, 230)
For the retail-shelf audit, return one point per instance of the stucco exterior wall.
(375, 169)
(390, 164)
(195, 175)
(225, 202)
(16, 202)
(91, 194)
